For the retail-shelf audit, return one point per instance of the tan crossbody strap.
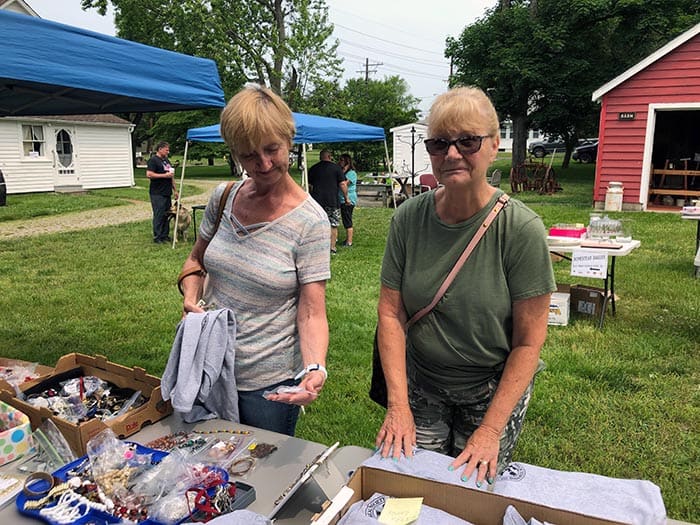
(500, 204)
(198, 270)
(222, 204)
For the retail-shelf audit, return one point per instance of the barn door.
(64, 159)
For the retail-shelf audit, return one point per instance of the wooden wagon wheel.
(549, 182)
(518, 178)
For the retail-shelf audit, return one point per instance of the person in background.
(347, 196)
(459, 380)
(268, 262)
(326, 179)
(162, 187)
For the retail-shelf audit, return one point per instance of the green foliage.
(541, 61)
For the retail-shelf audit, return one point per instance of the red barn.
(650, 128)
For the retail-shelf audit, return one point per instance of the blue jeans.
(257, 411)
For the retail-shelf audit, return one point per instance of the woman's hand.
(480, 455)
(309, 389)
(398, 432)
(191, 306)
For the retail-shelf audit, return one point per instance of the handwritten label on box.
(400, 511)
(589, 264)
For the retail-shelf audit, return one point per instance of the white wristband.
(313, 368)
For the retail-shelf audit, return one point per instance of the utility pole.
(367, 66)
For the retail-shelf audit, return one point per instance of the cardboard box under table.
(475, 506)
(75, 365)
(587, 300)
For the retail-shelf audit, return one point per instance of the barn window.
(33, 141)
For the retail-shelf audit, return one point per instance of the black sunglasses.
(465, 145)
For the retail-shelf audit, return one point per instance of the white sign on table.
(589, 264)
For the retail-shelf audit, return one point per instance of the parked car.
(542, 148)
(586, 153)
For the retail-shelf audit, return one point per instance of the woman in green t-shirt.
(459, 380)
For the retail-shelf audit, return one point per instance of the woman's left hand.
(480, 455)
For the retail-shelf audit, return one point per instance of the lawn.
(621, 402)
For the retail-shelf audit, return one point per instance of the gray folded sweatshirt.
(199, 376)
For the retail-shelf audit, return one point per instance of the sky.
(404, 38)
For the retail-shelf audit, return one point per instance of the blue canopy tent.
(310, 129)
(49, 68)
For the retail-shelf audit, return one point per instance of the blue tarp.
(310, 129)
(49, 68)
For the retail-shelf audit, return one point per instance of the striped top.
(257, 274)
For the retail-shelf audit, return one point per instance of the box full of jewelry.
(87, 394)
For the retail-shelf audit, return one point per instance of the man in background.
(162, 177)
(326, 179)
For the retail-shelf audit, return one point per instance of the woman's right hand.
(191, 306)
(398, 433)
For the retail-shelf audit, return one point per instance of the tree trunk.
(520, 132)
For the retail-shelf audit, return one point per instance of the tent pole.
(179, 193)
(388, 164)
(304, 172)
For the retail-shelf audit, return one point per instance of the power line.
(422, 50)
(408, 58)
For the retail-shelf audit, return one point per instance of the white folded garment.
(630, 501)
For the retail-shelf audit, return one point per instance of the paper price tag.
(589, 264)
(400, 511)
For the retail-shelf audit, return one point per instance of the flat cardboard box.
(473, 505)
(77, 435)
(587, 300)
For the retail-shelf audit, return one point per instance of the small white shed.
(409, 150)
(65, 153)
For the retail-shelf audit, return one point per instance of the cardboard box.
(77, 435)
(559, 306)
(587, 300)
(469, 504)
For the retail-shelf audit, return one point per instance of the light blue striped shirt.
(258, 275)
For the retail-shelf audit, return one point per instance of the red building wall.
(673, 78)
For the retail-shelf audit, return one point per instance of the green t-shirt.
(465, 340)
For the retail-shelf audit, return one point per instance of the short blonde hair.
(462, 107)
(255, 114)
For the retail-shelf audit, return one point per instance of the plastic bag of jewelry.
(223, 452)
(153, 484)
(192, 492)
(115, 463)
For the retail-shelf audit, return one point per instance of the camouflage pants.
(445, 420)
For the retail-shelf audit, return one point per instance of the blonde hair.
(460, 107)
(255, 114)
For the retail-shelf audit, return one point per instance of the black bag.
(377, 389)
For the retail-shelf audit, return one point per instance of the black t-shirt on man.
(160, 186)
(325, 178)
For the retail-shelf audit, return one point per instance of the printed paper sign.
(400, 511)
(589, 264)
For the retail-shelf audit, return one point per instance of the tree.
(540, 61)
(495, 54)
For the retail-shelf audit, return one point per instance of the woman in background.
(348, 196)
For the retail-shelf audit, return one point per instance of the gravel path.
(83, 220)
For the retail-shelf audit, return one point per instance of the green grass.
(621, 402)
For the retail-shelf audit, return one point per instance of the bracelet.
(38, 476)
(315, 367)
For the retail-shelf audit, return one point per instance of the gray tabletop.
(271, 476)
